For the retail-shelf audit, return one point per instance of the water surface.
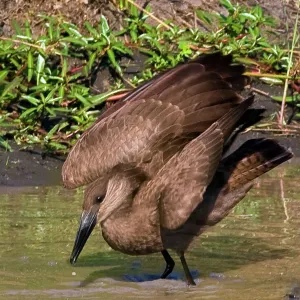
(253, 254)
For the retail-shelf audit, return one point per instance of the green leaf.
(264, 44)
(122, 4)
(227, 4)
(23, 37)
(50, 95)
(64, 68)
(63, 125)
(133, 34)
(74, 77)
(52, 131)
(71, 29)
(29, 65)
(53, 100)
(40, 107)
(78, 119)
(16, 27)
(98, 99)
(204, 16)
(104, 25)
(288, 99)
(58, 146)
(270, 21)
(31, 99)
(7, 52)
(4, 144)
(85, 70)
(249, 16)
(112, 59)
(269, 80)
(15, 63)
(83, 100)
(3, 74)
(91, 29)
(61, 91)
(40, 88)
(258, 11)
(121, 32)
(99, 45)
(33, 139)
(50, 111)
(57, 32)
(40, 67)
(73, 40)
(122, 49)
(246, 60)
(27, 112)
(28, 29)
(134, 11)
(147, 51)
(61, 109)
(10, 86)
(50, 29)
(56, 78)
(92, 60)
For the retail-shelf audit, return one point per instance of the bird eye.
(99, 199)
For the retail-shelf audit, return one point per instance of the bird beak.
(87, 223)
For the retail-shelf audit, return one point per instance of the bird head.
(102, 198)
(94, 196)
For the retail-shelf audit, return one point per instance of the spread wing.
(184, 100)
(213, 62)
(182, 182)
(129, 138)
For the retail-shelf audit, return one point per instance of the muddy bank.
(29, 167)
(33, 167)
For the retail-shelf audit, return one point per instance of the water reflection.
(257, 248)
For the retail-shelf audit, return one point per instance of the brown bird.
(154, 163)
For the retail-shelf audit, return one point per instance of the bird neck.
(120, 192)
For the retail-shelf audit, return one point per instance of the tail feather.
(235, 175)
(254, 158)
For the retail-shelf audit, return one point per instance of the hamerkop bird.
(154, 162)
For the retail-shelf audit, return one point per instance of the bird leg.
(170, 264)
(189, 278)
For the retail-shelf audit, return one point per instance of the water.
(253, 254)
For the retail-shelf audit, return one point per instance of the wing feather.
(186, 99)
(181, 183)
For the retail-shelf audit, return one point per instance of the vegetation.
(45, 81)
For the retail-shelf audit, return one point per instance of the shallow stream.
(253, 254)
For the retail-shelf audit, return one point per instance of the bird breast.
(132, 234)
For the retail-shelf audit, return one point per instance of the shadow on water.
(294, 293)
(225, 253)
(142, 277)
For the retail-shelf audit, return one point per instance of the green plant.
(44, 78)
(290, 62)
(245, 32)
